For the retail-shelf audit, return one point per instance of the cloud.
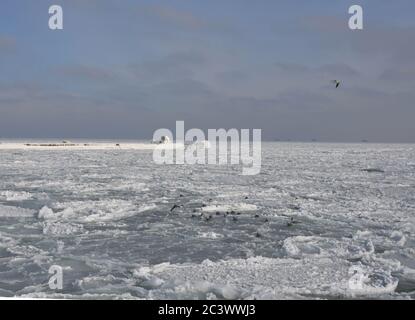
(85, 72)
(340, 69)
(398, 75)
(174, 67)
(35, 111)
(324, 24)
(184, 20)
(292, 68)
(392, 41)
(352, 113)
(176, 17)
(7, 43)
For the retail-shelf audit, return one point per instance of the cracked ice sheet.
(104, 215)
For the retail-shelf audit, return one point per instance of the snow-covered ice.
(315, 214)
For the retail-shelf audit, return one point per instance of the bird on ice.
(336, 82)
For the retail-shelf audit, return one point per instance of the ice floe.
(15, 212)
(242, 207)
(93, 212)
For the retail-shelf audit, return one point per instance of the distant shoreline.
(118, 145)
(78, 146)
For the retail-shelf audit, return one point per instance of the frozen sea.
(321, 221)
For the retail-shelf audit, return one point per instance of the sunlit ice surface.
(294, 231)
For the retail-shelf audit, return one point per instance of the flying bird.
(336, 82)
(175, 206)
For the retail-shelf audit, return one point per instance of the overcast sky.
(122, 69)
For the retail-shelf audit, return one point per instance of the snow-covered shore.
(78, 146)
